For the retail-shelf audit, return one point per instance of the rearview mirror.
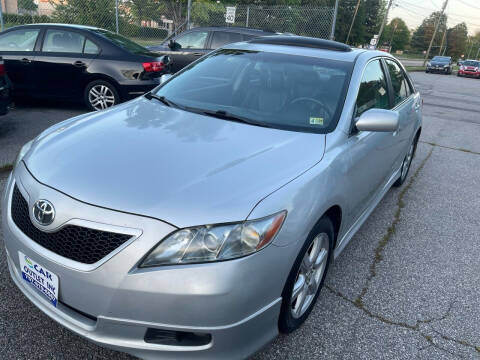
(378, 120)
(165, 77)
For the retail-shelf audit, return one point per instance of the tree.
(423, 34)
(396, 34)
(28, 5)
(457, 40)
(100, 13)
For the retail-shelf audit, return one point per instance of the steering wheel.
(326, 110)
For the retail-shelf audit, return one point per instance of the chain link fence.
(151, 21)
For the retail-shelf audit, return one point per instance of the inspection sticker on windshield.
(316, 121)
(40, 278)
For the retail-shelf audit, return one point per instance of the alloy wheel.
(310, 275)
(101, 97)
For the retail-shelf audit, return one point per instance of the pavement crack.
(451, 148)
(459, 342)
(390, 231)
(415, 328)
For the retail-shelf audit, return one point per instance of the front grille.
(77, 243)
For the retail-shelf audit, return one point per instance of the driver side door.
(18, 49)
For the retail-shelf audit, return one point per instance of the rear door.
(221, 38)
(189, 46)
(62, 63)
(407, 104)
(18, 49)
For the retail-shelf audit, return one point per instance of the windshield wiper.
(162, 99)
(221, 114)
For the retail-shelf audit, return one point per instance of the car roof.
(305, 46)
(73, 26)
(237, 29)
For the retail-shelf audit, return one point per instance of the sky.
(414, 11)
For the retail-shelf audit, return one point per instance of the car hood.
(438, 63)
(187, 169)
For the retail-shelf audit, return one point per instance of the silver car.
(199, 220)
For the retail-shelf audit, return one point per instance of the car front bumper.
(113, 302)
(469, 73)
(437, 69)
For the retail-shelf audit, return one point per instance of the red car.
(469, 68)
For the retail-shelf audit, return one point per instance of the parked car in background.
(5, 89)
(440, 64)
(205, 222)
(192, 44)
(469, 68)
(74, 62)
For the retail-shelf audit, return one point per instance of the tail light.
(153, 66)
(2, 69)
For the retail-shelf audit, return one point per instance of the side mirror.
(165, 77)
(378, 120)
(174, 46)
(166, 60)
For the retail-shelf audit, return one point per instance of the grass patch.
(6, 168)
(147, 42)
(415, 68)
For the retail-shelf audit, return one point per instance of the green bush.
(16, 19)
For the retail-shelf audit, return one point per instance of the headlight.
(429, 64)
(446, 66)
(23, 151)
(215, 242)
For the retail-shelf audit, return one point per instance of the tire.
(100, 95)
(319, 241)
(407, 161)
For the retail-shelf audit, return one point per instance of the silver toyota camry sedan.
(199, 220)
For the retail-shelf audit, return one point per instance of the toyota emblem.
(43, 212)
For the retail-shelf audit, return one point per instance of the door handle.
(26, 61)
(197, 54)
(79, 64)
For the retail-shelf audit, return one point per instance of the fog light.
(176, 338)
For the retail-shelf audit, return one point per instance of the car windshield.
(123, 42)
(441, 59)
(268, 89)
(470, 63)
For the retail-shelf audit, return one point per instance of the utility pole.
(385, 18)
(443, 40)
(435, 32)
(393, 33)
(476, 57)
(334, 21)
(189, 8)
(471, 47)
(116, 15)
(353, 21)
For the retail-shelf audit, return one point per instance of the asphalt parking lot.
(407, 285)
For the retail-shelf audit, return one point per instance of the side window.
(192, 40)
(19, 40)
(220, 38)
(373, 91)
(401, 88)
(90, 48)
(63, 41)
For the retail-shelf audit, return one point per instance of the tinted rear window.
(123, 42)
(220, 38)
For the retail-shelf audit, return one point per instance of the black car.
(5, 93)
(441, 64)
(192, 44)
(78, 62)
